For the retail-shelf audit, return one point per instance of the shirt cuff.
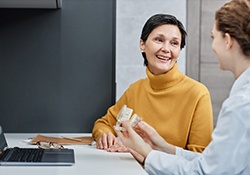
(178, 151)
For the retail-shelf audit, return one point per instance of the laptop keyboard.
(22, 155)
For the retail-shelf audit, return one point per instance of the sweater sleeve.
(201, 129)
(106, 123)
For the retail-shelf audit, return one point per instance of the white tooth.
(163, 58)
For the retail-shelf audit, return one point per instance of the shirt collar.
(243, 79)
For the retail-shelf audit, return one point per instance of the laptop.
(33, 156)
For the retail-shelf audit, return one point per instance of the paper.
(63, 140)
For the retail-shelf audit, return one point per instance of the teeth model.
(125, 114)
(134, 120)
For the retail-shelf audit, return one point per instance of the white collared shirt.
(229, 151)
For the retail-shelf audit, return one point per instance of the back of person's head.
(158, 20)
(234, 18)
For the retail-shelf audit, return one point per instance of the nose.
(165, 47)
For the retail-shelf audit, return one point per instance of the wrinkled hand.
(132, 140)
(118, 147)
(106, 140)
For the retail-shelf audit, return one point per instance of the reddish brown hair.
(234, 18)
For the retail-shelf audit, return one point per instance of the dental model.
(125, 114)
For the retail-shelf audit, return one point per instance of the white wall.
(131, 16)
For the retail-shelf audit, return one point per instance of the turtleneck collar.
(166, 80)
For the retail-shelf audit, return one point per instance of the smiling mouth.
(163, 58)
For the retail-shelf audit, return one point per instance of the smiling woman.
(162, 48)
(178, 107)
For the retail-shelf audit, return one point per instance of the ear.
(229, 41)
(142, 45)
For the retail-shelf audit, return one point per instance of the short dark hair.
(158, 20)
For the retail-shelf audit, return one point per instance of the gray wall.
(202, 63)
(57, 67)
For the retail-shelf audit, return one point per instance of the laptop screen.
(3, 143)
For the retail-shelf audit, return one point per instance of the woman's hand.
(144, 140)
(150, 136)
(137, 156)
(132, 140)
(106, 141)
(118, 147)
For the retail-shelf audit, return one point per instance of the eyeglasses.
(49, 145)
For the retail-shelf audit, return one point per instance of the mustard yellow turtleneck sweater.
(178, 107)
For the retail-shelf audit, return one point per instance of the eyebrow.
(175, 38)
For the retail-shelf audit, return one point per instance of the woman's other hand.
(151, 137)
(132, 140)
(106, 140)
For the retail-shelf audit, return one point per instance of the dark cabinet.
(57, 67)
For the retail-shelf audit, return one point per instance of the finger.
(115, 141)
(113, 148)
(119, 147)
(110, 140)
(119, 133)
(102, 141)
(138, 131)
(146, 128)
(122, 149)
(99, 143)
(126, 125)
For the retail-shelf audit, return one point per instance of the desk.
(89, 160)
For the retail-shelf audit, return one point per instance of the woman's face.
(219, 46)
(162, 48)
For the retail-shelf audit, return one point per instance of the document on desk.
(85, 140)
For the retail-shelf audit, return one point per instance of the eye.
(175, 43)
(158, 39)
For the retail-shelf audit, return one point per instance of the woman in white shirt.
(229, 151)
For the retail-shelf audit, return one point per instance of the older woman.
(178, 107)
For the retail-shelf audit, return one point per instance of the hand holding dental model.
(125, 114)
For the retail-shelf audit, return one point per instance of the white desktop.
(88, 160)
